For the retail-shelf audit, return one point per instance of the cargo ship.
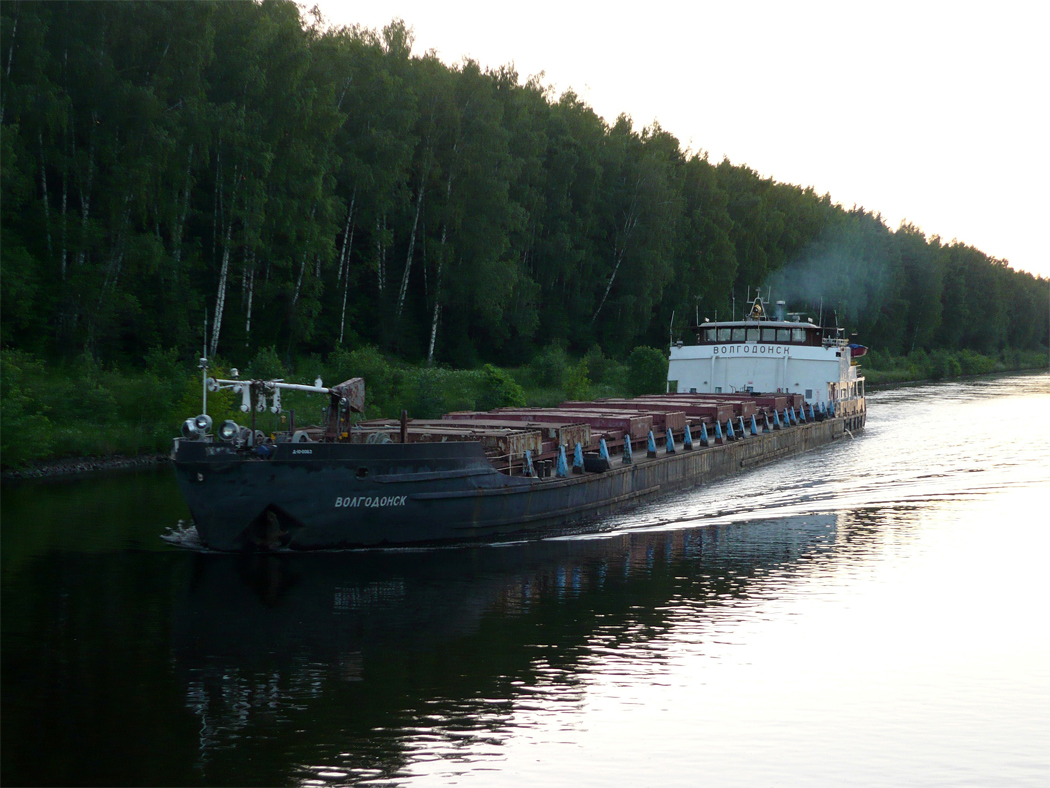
(748, 392)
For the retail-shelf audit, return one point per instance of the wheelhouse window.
(797, 336)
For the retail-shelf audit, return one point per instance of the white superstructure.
(763, 355)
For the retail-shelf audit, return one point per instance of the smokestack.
(781, 310)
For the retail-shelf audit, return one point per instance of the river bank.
(889, 385)
(920, 366)
(46, 469)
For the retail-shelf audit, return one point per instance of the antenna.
(670, 329)
(734, 303)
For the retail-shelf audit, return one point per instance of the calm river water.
(874, 613)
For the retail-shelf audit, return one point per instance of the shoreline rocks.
(82, 465)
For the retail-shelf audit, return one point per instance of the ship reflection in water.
(365, 661)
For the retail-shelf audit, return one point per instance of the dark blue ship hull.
(332, 495)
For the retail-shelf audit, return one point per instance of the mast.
(204, 367)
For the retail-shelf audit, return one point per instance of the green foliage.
(942, 364)
(431, 391)
(83, 409)
(599, 368)
(383, 378)
(25, 432)
(967, 362)
(577, 384)
(497, 389)
(313, 189)
(306, 186)
(426, 401)
(266, 365)
(646, 371)
(607, 377)
(550, 366)
(883, 368)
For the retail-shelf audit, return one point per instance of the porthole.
(362, 473)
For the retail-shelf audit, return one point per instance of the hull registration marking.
(370, 502)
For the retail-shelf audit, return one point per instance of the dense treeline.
(311, 189)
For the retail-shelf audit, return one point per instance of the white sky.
(931, 112)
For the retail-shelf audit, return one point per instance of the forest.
(244, 174)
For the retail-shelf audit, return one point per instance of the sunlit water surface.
(872, 613)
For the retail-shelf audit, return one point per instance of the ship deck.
(643, 423)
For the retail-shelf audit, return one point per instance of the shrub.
(599, 368)
(426, 401)
(577, 384)
(266, 365)
(383, 380)
(550, 366)
(943, 364)
(25, 432)
(972, 363)
(497, 389)
(165, 364)
(646, 371)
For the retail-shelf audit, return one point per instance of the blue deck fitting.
(754, 426)
(577, 458)
(688, 440)
(766, 427)
(563, 464)
(743, 431)
(651, 448)
(802, 413)
(831, 408)
(787, 417)
(670, 442)
(729, 430)
(718, 432)
(527, 470)
(812, 415)
(603, 450)
(628, 453)
(704, 440)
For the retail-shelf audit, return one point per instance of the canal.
(871, 613)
